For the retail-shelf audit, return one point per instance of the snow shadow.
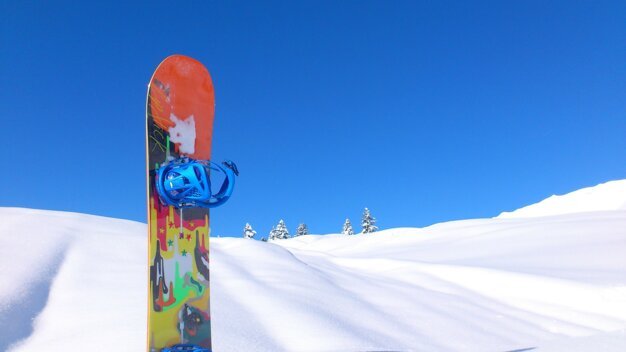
(18, 318)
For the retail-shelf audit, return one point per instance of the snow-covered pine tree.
(248, 232)
(273, 234)
(347, 228)
(367, 222)
(302, 230)
(281, 229)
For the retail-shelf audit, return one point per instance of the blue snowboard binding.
(186, 183)
(186, 348)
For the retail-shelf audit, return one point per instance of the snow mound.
(607, 196)
(526, 284)
(70, 280)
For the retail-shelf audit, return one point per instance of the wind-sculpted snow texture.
(71, 280)
(551, 283)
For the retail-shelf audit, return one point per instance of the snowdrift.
(551, 282)
(606, 196)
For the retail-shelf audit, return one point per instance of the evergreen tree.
(273, 234)
(248, 232)
(263, 239)
(347, 228)
(281, 230)
(302, 230)
(367, 222)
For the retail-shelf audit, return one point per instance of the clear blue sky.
(423, 111)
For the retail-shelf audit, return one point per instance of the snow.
(552, 281)
(606, 196)
(71, 279)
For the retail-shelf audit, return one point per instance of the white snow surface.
(606, 196)
(544, 283)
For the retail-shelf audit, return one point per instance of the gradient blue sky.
(423, 111)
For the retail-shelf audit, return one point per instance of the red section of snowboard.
(181, 89)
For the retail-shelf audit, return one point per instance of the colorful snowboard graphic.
(179, 112)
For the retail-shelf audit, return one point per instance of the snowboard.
(179, 122)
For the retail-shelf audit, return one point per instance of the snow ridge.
(607, 196)
(540, 283)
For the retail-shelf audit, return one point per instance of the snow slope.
(606, 196)
(548, 283)
(71, 278)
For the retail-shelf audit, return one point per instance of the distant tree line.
(280, 231)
